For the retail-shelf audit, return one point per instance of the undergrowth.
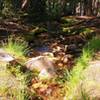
(70, 80)
(75, 76)
(15, 46)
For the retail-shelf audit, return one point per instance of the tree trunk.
(88, 7)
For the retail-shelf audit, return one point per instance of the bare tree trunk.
(88, 7)
(95, 7)
(24, 2)
(81, 8)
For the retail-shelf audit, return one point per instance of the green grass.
(94, 44)
(24, 79)
(84, 95)
(75, 76)
(16, 46)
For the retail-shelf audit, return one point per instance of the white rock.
(43, 64)
(5, 57)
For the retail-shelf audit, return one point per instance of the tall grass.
(16, 46)
(75, 76)
(18, 90)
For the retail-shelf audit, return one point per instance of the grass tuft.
(16, 46)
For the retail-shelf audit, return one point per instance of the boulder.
(43, 64)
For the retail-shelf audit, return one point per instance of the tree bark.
(88, 7)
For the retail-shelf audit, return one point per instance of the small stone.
(60, 64)
(5, 57)
(65, 59)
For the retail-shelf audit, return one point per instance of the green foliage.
(16, 46)
(13, 83)
(85, 96)
(54, 8)
(75, 76)
(38, 10)
(85, 33)
(94, 44)
(7, 8)
(68, 21)
(24, 79)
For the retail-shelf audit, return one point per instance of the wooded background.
(48, 9)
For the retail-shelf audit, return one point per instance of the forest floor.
(64, 40)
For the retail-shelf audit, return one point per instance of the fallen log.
(14, 27)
